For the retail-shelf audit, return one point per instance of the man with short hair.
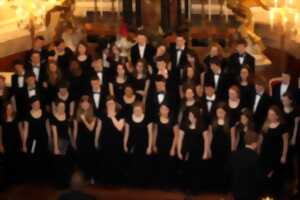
(245, 176)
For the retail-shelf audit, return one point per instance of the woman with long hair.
(247, 87)
(10, 141)
(111, 143)
(238, 131)
(86, 134)
(83, 57)
(61, 138)
(274, 148)
(234, 104)
(192, 148)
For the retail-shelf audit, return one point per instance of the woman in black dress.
(239, 130)
(215, 50)
(111, 144)
(84, 59)
(86, 132)
(274, 149)
(141, 80)
(194, 61)
(138, 142)
(165, 144)
(35, 146)
(220, 145)
(118, 83)
(4, 93)
(10, 142)
(247, 88)
(63, 56)
(61, 138)
(192, 148)
(128, 100)
(234, 105)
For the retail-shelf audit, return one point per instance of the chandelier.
(284, 15)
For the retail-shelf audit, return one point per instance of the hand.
(96, 145)
(283, 159)
(270, 174)
(126, 149)
(180, 156)
(45, 84)
(205, 156)
(2, 150)
(56, 152)
(149, 151)
(172, 152)
(293, 142)
(155, 149)
(111, 114)
(24, 149)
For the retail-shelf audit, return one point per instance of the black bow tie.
(258, 94)
(179, 49)
(241, 55)
(96, 92)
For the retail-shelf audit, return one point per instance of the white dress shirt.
(283, 88)
(20, 81)
(96, 97)
(36, 71)
(100, 76)
(31, 92)
(256, 102)
(242, 59)
(142, 50)
(210, 101)
(216, 79)
(179, 53)
(160, 97)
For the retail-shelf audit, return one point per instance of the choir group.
(159, 117)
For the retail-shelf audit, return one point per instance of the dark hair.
(221, 105)
(39, 37)
(251, 137)
(18, 62)
(242, 41)
(260, 80)
(58, 42)
(215, 60)
(160, 78)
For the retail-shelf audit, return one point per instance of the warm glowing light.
(2, 2)
(272, 19)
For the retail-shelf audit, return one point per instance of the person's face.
(35, 58)
(215, 68)
(85, 105)
(141, 40)
(60, 108)
(61, 46)
(286, 78)
(81, 49)
(244, 74)
(52, 67)
(189, 94)
(241, 48)
(36, 105)
(38, 44)
(160, 85)
(128, 91)
(244, 120)
(286, 101)
(95, 84)
(9, 109)
(97, 65)
(63, 91)
(209, 91)
(272, 116)
(220, 112)
(190, 72)
(19, 68)
(214, 51)
(161, 50)
(139, 67)
(138, 111)
(161, 65)
(191, 58)
(180, 41)
(259, 88)
(121, 70)
(192, 117)
(164, 111)
(30, 81)
(233, 95)
(111, 105)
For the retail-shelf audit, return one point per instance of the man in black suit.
(142, 50)
(178, 56)
(260, 103)
(35, 66)
(217, 78)
(38, 46)
(97, 95)
(244, 173)
(78, 184)
(283, 86)
(240, 59)
(208, 102)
